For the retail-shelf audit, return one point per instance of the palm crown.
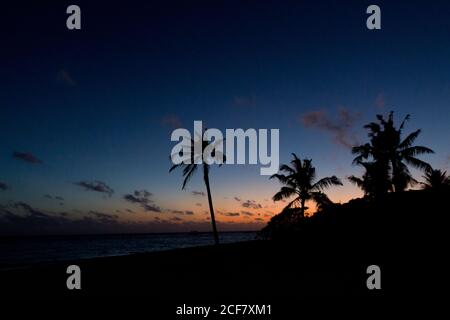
(388, 156)
(299, 181)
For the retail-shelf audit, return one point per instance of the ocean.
(18, 252)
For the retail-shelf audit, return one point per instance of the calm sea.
(24, 251)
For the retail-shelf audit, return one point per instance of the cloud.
(198, 193)
(30, 210)
(259, 219)
(142, 197)
(237, 199)
(186, 212)
(198, 204)
(97, 186)
(340, 128)
(103, 217)
(176, 211)
(247, 213)
(65, 77)
(26, 157)
(3, 186)
(231, 214)
(152, 208)
(22, 219)
(171, 121)
(251, 204)
(48, 196)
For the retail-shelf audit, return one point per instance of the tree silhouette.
(436, 179)
(190, 168)
(388, 157)
(300, 182)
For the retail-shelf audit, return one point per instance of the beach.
(259, 270)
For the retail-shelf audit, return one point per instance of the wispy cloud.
(251, 204)
(26, 157)
(96, 186)
(143, 198)
(231, 214)
(340, 127)
(198, 193)
(104, 217)
(50, 197)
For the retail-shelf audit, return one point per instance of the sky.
(86, 115)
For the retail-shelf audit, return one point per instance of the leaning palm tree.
(299, 181)
(390, 154)
(190, 168)
(436, 179)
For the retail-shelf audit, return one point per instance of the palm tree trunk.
(303, 208)
(211, 208)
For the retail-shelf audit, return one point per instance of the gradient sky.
(99, 104)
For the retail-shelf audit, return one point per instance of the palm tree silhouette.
(299, 181)
(389, 155)
(190, 168)
(436, 179)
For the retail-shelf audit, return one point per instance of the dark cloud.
(247, 213)
(198, 193)
(231, 214)
(171, 121)
(176, 219)
(176, 211)
(27, 220)
(340, 127)
(186, 212)
(130, 211)
(198, 204)
(143, 198)
(26, 157)
(48, 196)
(3, 186)
(251, 204)
(237, 199)
(97, 186)
(104, 217)
(152, 208)
(30, 210)
(259, 219)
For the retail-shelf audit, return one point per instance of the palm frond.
(326, 182)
